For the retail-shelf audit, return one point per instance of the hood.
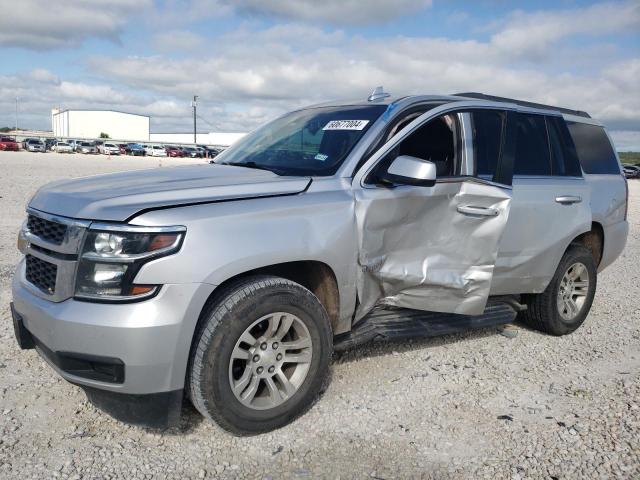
(119, 196)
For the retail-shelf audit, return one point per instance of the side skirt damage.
(390, 323)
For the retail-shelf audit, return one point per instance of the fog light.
(108, 272)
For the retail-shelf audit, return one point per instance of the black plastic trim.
(154, 410)
(91, 367)
(522, 103)
(391, 323)
(23, 336)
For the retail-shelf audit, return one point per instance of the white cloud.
(44, 76)
(340, 12)
(626, 140)
(269, 68)
(532, 34)
(177, 41)
(44, 25)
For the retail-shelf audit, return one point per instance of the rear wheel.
(566, 301)
(261, 356)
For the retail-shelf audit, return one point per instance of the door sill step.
(390, 323)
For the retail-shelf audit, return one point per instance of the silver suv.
(231, 283)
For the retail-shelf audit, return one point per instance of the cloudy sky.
(250, 60)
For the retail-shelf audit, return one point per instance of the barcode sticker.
(346, 125)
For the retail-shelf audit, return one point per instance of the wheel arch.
(593, 240)
(314, 275)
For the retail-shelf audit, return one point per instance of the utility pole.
(16, 114)
(194, 104)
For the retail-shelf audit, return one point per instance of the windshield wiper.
(255, 166)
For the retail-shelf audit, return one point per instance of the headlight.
(112, 256)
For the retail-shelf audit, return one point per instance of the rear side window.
(487, 140)
(564, 159)
(532, 148)
(594, 149)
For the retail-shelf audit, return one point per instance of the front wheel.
(566, 301)
(262, 355)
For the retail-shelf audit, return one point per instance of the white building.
(91, 123)
(220, 139)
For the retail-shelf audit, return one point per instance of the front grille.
(42, 274)
(46, 229)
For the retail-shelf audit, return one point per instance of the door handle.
(478, 211)
(568, 199)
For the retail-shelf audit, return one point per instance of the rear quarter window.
(594, 150)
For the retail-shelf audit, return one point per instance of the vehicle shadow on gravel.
(190, 419)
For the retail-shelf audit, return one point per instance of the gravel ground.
(476, 405)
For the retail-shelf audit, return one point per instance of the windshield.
(313, 141)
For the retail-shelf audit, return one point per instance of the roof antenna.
(377, 94)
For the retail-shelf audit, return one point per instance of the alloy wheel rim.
(572, 291)
(270, 361)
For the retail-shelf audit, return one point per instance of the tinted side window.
(564, 160)
(594, 149)
(487, 140)
(435, 141)
(532, 147)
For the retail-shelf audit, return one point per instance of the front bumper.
(151, 338)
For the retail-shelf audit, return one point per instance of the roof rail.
(482, 96)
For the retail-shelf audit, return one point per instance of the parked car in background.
(191, 152)
(123, 148)
(73, 143)
(27, 140)
(35, 145)
(49, 142)
(62, 147)
(9, 144)
(134, 149)
(109, 149)
(86, 147)
(631, 171)
(212, 152)
(173, 151)
(155, 151)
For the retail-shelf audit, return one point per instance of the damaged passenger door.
(428, 226)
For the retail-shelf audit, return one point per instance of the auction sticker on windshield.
(346, 125)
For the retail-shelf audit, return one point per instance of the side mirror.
(407, 170)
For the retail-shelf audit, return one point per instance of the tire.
(248, 306)
(547, 312)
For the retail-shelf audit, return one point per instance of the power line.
(207, 122)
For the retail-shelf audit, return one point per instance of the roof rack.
(482, 96)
